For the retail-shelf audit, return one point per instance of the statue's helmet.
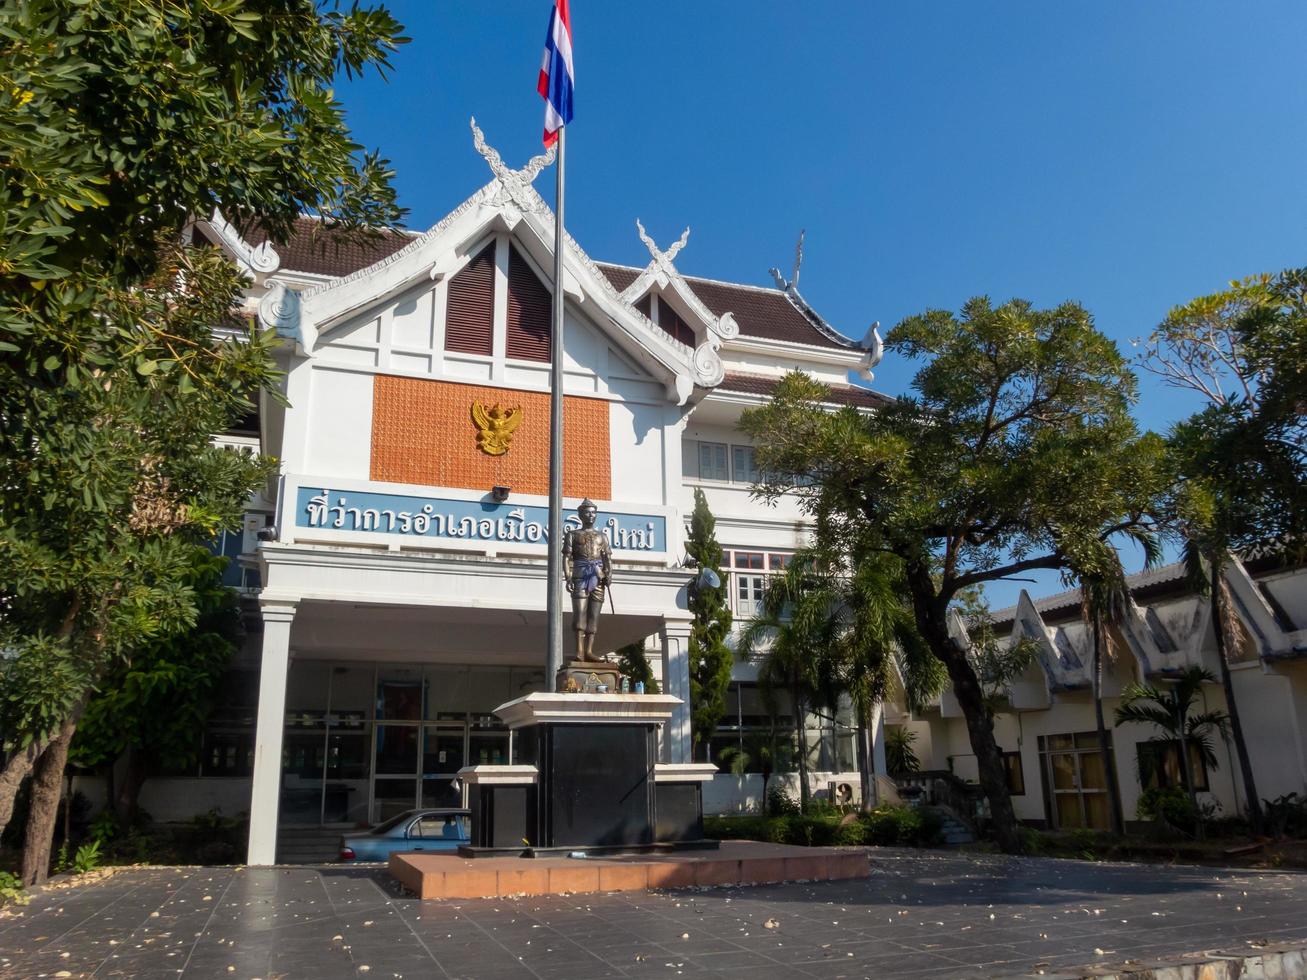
(587, 503)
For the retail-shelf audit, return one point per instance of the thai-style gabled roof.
(317, 249)
(765, 385)
(761, 312)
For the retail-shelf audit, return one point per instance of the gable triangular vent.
(470, 309)
(529, 312)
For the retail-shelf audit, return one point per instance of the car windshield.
(392, 823)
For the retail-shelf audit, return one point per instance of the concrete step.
(955, 832)
(308, 845)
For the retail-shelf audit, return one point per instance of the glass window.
(748, 595)
(227, 754)
(448, 826)
(712, 461)
(750, 559)
(744, 469)
(1016, 780)
(442, 751)
(1159, 765)
(401, 694)
(397, 749)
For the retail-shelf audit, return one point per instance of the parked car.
(413, 830)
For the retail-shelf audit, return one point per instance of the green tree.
(1172, 712)
(633, 663)
(119, 354)
(832, 628)
(1017, 451)
(1239, 462)
(1104, 602)
(153, 704)
(900, 758)
(710, 657)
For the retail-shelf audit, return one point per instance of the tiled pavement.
(919, 914)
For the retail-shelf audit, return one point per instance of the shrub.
(104, 827)
(886, 826)
(11, 890)
(1033, 842)
(218, 852)
(781, 804)
(890, 826)
(851, 834)
(1286, 816)
(1169, 806)
(87, 858)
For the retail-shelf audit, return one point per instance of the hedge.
(886, 826)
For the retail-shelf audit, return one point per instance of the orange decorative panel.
(423, 433)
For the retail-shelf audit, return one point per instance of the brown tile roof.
(317, 250)
(619, 275)
(756, 384)
(760, 312)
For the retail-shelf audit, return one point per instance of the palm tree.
(1171, 712)
(900, 758)
(1206, 573)
(794, 634)
(1103, 602)
(832, 626)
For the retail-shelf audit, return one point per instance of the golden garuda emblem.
(495, 427)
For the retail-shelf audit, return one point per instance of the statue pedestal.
(597, 784)
(585, 677)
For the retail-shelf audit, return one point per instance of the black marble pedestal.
(597, 784)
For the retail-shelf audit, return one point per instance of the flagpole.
(554, 662)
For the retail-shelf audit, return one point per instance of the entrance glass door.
(443, 751)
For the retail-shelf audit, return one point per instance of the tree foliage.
(1172, 711)
(1016, 452)
(156, 700)
(710, 656)
(634, 663)
(832, 627)
(1239, 463)
(119, 353)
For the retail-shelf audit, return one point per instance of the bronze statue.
(588, 567)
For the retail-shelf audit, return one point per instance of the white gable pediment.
(343, 314)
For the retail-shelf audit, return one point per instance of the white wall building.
(1046, 724)
(399, 602)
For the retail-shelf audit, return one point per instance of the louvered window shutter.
(528, 312)
(470, 307)
(672, 324)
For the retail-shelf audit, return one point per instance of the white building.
(399, 561)
(1046, 724)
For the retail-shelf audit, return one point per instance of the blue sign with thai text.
(466, 520)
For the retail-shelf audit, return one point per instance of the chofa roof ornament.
(514, 185)
(871, 343)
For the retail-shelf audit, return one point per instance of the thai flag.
(556, 76)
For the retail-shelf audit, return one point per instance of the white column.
(675, 636)
(265, 793)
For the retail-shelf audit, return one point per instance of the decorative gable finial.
(874, 349)
(663, 260)
(798, 258)
(791, 285)
(514, 185)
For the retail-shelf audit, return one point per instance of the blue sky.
(1123, 154)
